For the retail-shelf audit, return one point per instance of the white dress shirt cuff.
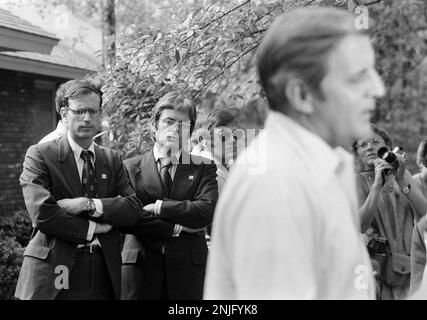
(158, 207)
(99, 208)
(91, 230)
(177, 230)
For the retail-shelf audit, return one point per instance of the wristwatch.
(90, 207)
(406, 189)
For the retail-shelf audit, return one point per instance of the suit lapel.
(150, 177)
(185, 175)
(69, 167)
(102, 173)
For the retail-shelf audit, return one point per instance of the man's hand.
(149, 208)
(73, 206)
(102, 228)
(191, 230)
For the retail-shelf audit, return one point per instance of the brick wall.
(26, 115)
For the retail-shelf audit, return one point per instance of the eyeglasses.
(364, 143)
(80, 113)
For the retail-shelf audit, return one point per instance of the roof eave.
(42, 68)
(15, 40)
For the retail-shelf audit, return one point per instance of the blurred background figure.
(421, 178)
(217, 140)
(389, 207)
(418, 246)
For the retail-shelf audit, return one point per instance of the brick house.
(33, 63)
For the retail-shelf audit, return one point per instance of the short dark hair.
(175, 101)
(298, 44)
(421, 154)
(74, 89)
(219, 117)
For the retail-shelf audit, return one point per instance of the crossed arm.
(63, 219)
(197, 212)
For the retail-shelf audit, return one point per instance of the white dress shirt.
(172, 170)
(77, 150)
(286, 224)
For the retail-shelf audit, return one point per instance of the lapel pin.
(190, 177)
(104, 176)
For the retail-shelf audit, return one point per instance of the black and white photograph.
(213, 154)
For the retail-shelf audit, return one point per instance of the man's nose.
(377, 85)
(87, 116)
(176, 127)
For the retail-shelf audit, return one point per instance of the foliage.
(18, 225)
(15, 232)
(206, 52)
(401, 45)
(10, 263)
(205, 49)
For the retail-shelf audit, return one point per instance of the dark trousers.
(89, 278)
(164, 294)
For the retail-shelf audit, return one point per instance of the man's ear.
(299, 96)
(153, 130)
(63, 114)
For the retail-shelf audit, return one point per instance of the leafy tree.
(206, 52)
(401, 45)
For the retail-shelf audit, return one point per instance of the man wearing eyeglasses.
(77, 193)
(182, 191)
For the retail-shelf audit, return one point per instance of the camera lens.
(386, 155)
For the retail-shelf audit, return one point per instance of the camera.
(390, 157)
(378, 245)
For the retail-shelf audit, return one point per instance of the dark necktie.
(88, 176)
(165, 164)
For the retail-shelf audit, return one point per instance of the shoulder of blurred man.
(57, 133)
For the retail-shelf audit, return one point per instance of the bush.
(15, 231)
(10, 263)
(18, 225)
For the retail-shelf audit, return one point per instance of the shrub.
(10, 263)
(15, 231)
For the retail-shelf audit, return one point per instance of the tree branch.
(240, 56)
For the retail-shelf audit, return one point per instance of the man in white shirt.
(286, 224)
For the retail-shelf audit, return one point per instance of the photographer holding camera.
(390, 203)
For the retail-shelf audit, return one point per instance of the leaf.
(177, 56)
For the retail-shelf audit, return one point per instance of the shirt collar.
(316, 154)
(77, 149)
(158, 155)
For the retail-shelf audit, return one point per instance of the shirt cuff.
(91, 230)
(99, 208)
(177, 230)
(158, 207)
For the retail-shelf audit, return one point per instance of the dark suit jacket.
(192, 202)
(418, 255)
(50, 174)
